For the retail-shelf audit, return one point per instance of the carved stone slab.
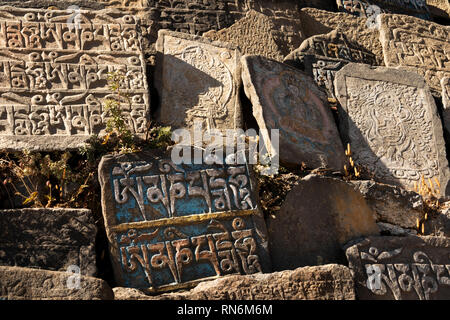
(391, 121)
(53, 76)
(169, 226)
(356, 30)
(311, 230)
(322, 56)
(51, 239)
(18, 283)
(327, 282)
(365, 8)
(286, 99)
(417, 45)
(401, 268)
(197, 80)
(253, 34)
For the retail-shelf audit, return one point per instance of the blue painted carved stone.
(170, 226)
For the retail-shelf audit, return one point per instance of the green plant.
(117, 124)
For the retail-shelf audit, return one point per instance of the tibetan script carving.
(366, 8)
(401, 268)
(53, 76)
(170, 225)
(390, 119)
(322, 56)
(416, 45)
(199, 81)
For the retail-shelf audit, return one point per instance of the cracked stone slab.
(172, 226)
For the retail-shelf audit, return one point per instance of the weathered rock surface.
(401, 268)
(197, 80)
(321, 56)
(319, 215)
(439, 8)
(55, 101)
(286, 99)
(253, 34)
(391, 121)
(18, 283)
(439, 223)
(52, 239)
(316, 21)
(366, 8)
(327, 282)
(392, 204)
(170, 226)
(416, 45)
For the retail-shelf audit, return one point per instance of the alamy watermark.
(372, 13)
(374, 277)
(74, 21)
(74, 280)
(231, 146)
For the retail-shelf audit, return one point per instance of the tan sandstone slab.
(53, 82)
(391, 121)
(288, 100)
(440, 8)
(416, 45)
(17, 283)
(197, 80)
(327, 282)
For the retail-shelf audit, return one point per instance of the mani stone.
(370, 8)
(401, 268)
(356, 29)
(317, 218)
(17, 283)
(416, 45)
(170, 226)
(253, 34)
(439, 8)
(53, 76)
(197, 80)
(327, 282)
(391, 121)
(322, 56)
(288, 100)
(392, 204)
(52, 239)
